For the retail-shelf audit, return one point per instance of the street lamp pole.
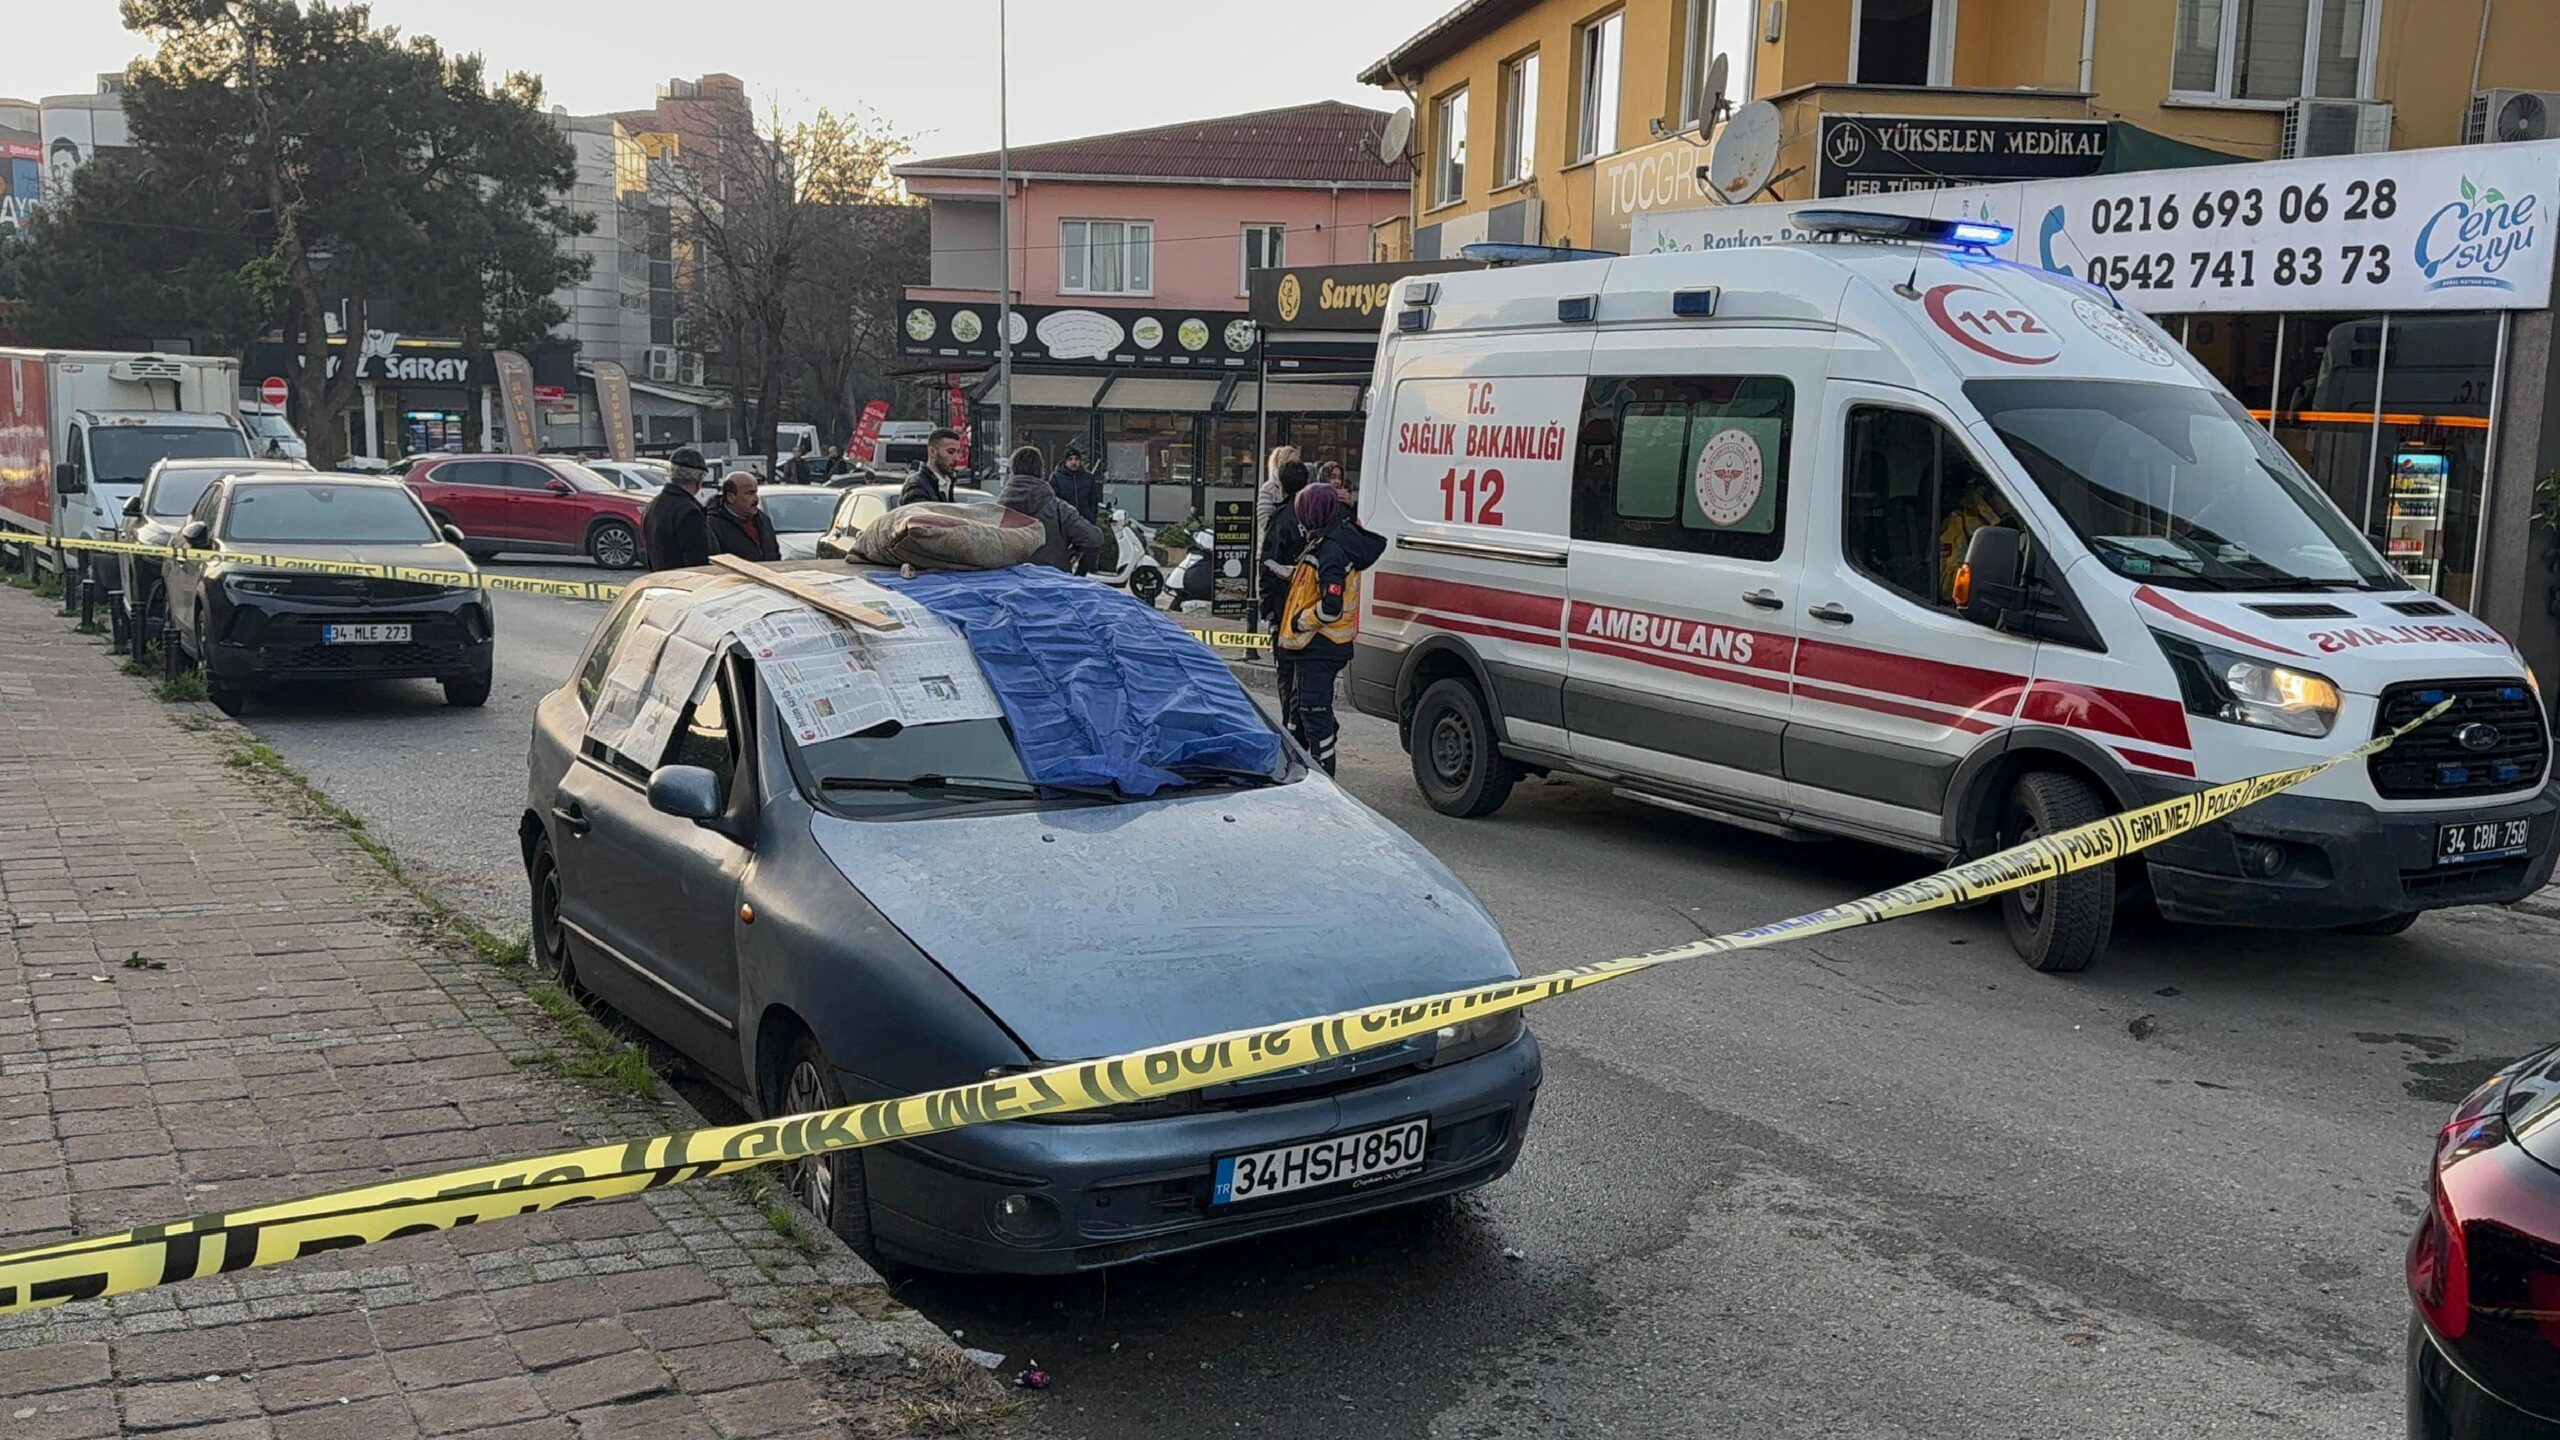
(1004, 245)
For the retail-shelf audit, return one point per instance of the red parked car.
(2484, 1267)
(539, 504)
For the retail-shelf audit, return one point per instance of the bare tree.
(782, 237)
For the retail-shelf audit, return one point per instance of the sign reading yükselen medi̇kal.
(2467, 227)
(1887, 154)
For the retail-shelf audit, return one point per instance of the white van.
(1691, 524)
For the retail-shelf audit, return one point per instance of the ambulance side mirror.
(1990, 586)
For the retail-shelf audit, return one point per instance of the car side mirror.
(66, 479)
(452, 535)
(1990, 586)
(133, 507)
(197, 536)
(688, 792)
(558, 486)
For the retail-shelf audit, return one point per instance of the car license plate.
(1365, 1157)
(364, 634)
(2471, 842)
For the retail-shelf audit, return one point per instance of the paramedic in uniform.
(1321, 615)
(1977, 506)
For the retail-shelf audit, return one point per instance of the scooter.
(1196, 582)
(1138, 571)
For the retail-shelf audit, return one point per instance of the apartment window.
(1449, 147)
(1520, 119)
(1106, 257)
(1902, 42)
(1262, 248)
(2274, 50)
(1602, 45)
(1716, 27)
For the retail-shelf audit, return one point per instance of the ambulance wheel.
(1455, 758)
(2058, 926)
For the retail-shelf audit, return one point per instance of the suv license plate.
(2471, 842)
(1368, 1155)
(364, 634)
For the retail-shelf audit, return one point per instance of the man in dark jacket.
(1078, 486)
(940, 475)
(738, 525)
(1070, 535)
(672, 530)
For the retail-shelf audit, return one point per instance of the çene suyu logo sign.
(2466, 243)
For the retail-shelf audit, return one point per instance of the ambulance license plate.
(364, 634)
(2473, 842)
(1364, 1158)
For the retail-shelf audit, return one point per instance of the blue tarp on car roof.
(1099, 689)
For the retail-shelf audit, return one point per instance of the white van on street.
(1878, 537)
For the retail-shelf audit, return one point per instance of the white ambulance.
(1691, 525)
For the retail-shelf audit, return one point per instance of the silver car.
(815, 918)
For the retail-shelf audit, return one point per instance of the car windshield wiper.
(1225, 772)
(972, 787)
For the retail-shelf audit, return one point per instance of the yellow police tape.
(220, 1243)
(450, 579)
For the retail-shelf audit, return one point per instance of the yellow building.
(1555, 121)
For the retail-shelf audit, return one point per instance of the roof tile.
(1329, 142)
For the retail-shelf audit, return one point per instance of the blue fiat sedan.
(999, 820)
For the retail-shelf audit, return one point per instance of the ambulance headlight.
(2246, 690)
(1468, 1039)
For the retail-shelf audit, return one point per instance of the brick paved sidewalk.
(212, 998)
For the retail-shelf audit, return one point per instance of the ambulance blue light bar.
(1965, 234)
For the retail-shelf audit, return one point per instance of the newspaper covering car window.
(829, 679)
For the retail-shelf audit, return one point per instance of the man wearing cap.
(673, 531)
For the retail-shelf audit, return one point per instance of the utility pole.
(1004, 244)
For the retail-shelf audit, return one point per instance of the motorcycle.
(1137, 570)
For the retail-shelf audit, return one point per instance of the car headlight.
(2245, 690)
(259, 584)
(1469, 1038)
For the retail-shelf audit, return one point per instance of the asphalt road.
(1890, 1183)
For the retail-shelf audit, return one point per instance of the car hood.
(2363, 640)
(2532, 1106)
(438, 556)
(1096, 930)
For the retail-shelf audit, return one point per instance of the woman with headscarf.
(1321, 616)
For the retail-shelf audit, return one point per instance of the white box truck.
(80, 430)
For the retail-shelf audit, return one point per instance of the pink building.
(1129, 261)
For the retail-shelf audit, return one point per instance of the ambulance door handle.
(1832, 613)
(1762, 600)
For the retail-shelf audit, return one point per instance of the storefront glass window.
(2328, 365)
(1148, 463)
(2437, 379)
(1329, 437)
(1052, 431)
(1238, 439)
(2241, 352)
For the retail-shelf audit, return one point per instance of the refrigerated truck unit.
(80, 430)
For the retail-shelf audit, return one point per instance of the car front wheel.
(2060, 925)
(467, 691)
(227, 698)
(831, 1187)
(614, 545)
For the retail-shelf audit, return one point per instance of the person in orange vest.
(1320, 618)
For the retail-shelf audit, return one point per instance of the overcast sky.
(928, 67)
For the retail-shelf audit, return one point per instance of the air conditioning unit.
(662, 363)
(2336, 127)
(693, 369)
(147, 367)
(2498, 116)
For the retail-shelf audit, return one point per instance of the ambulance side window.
(1911, 500)
(1690, 463)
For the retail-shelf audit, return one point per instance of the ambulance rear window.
(1689, 463)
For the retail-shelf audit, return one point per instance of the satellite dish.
(1711, 94)
(2524, 116)
(1745, 155)
(1397, 135)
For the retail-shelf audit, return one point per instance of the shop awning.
(1149, 392)
(2131, 148)
(1060, 392)
(1301, 397)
